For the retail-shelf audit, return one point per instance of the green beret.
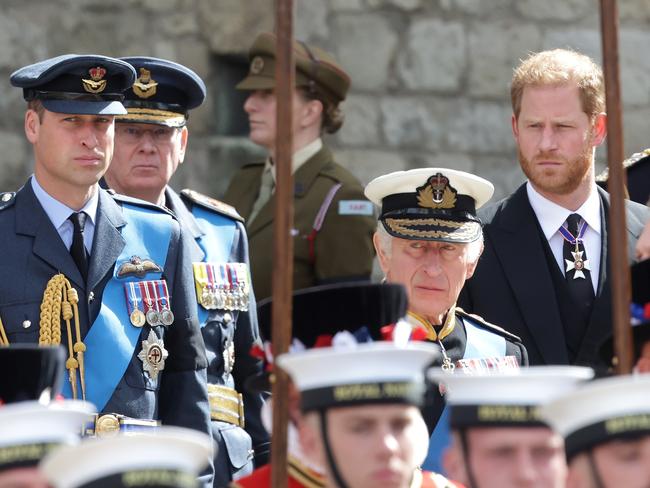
(314, 68)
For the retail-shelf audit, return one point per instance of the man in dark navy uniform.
(150, 143)
(430, 240)
(100, 274)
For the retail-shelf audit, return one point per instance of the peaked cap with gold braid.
(76, 84)
(163, 92)
(431, 204)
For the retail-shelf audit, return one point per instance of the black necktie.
(576, 266)
(77, 249)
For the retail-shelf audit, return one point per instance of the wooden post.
(617, 233)
(282, 239)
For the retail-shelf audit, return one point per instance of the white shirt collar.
(300, 157)
(551, 216)
(59, 212)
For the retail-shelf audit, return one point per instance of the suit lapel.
(108, 241)
(32, 220)
(516, 233)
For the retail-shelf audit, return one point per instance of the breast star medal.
(153, 355)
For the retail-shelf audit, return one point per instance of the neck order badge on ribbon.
(579, 264)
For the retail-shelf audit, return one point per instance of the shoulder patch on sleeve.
(211, 204)
(356, 207)
(487, 325)
(7, 199)
(140, 203)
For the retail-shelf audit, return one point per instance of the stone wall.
(430, 77)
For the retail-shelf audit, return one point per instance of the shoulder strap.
(7, 199)
(487, 325)
(211, 204)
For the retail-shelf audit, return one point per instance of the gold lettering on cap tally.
(627, 424)
(507, 413)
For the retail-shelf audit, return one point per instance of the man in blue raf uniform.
(150, 143)
(99, 273)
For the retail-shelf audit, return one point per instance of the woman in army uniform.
(333, 222)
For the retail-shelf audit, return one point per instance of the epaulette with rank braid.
(631, 161)
(487, 325)
(140, 203)
(7, 199)
(211, 204)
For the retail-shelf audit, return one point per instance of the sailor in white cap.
(606, 429)
(499, 439)
(366, 311)
(429, 239)
(30, 430)
(361, 418)
(166, 457)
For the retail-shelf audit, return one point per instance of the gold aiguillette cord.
(61, 299)
(3, 335)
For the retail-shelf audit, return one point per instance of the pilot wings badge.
(137, 266)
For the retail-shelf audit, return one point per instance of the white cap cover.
(378, 372)
(437, 204)
(167, 456)
(603, 410)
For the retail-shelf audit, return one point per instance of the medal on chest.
(136, 315)
(153, 355)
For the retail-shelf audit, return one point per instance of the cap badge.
(96, 84)
(257, 65)
(145, 85)
(437, 193)
(153, 355)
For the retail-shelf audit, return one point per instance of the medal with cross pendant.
(578, 265)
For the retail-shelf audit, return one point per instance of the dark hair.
(333, 116)
(37, 106)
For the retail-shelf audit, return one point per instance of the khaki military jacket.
(342, 250)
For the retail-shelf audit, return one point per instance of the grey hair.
(474, 248)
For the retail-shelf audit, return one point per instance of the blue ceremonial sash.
(112, 339)
(481, 343)
(216, 243)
